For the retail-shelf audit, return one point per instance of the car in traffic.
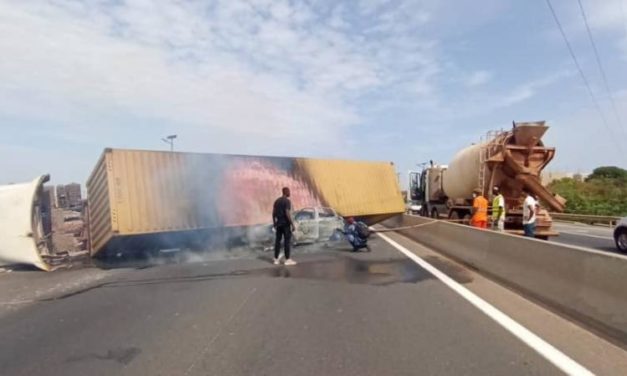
(413, 207)
(313, 224)
(620, 235)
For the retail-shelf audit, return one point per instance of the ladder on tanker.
(484, 156)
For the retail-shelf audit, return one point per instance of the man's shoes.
(277, 261)
(289, 262)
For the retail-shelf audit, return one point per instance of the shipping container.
(138, 197)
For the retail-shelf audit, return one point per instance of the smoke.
(206, 205)
(214, 252)
(250, 185)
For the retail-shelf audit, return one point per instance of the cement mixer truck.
(510, 160)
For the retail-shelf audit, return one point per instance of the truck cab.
(425, 190)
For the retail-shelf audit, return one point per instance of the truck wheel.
(424, 211)
(434, 213)
(621, 240)
(454, 216)
(466, 220)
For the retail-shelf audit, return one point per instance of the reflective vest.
(498, 201)
(481, 215)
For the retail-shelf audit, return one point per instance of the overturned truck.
(144, 200)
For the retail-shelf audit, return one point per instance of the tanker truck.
(510, 160)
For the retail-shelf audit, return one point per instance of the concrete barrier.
(584, 284)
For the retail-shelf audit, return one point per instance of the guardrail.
(586, 285)
(584, 218)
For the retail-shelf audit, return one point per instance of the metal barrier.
(584, 218)
(586, 285)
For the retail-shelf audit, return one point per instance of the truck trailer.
(139, 199)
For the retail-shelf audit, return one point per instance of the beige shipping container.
(143, 195)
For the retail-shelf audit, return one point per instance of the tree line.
(604, 192)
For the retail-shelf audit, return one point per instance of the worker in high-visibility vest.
(479, 210)
(498, 210)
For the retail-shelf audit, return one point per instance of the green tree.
(604, 192)
(608, 172)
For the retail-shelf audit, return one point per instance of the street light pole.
(170, 140)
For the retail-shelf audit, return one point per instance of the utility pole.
(170, 140)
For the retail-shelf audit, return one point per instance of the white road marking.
(546, 350)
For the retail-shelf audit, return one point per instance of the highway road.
(335, 313)
(582, 235)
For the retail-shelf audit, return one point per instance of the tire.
(454, 216)
(466, 219)
(434, 213)
(336, 235)
(424, 211)
(621, 240)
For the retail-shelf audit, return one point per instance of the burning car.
(313, 224)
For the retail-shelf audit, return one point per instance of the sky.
(402, 81)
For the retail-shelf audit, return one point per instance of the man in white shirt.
(529, 214)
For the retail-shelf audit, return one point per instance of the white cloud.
(368, 7)
(255, 77)
(584, 141)
(607, 20)
(530, 89)
(607, 14)
(478, 78)
(250, 68)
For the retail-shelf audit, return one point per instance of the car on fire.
(314, 224)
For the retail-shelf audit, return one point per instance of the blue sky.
(402, 81)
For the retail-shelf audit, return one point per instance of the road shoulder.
(590, 350)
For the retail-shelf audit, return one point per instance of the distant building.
(45, 208)
(69, 196)
(550, 176)
(73, 193)
(61, 197)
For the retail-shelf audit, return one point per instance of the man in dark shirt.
(284, 226)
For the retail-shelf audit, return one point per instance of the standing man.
(284, 226)
(479, 210)
(498, 210)
(529, 214)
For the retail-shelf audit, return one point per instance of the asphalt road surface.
(335, 313)
(582, 235)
